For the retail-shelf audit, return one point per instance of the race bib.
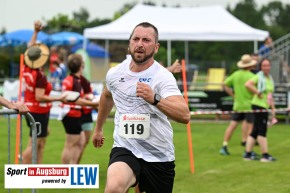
(134, 126)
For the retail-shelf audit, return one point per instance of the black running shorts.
(152, 177)
(249, 117)
(72, 125)
(42, 127)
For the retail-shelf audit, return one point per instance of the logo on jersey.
(145, 79)
(122, 80)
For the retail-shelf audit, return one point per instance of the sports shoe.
(268, 158)
(224, 151)
(252, 154)
(250, 157)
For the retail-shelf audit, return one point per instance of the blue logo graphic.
(145, 79)
(84, 175)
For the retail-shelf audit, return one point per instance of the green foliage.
(273, 17)
(253, 17)
(124, 10)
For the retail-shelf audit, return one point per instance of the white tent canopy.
(211, 23)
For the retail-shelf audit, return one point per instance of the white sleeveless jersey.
(121, 82)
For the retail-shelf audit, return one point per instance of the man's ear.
(157, 48)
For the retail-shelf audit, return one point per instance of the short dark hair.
(74, 63)
(146, 24)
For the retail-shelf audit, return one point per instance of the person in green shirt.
(262, 87)
(234, 86)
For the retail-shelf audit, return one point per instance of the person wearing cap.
(36, 93)
(72, 120)
(262, 87)
(234, 86)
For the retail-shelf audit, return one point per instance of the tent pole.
(168, 52)
(107, 50)
(186, 52)
(255, 46)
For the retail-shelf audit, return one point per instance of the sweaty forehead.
(144, 32)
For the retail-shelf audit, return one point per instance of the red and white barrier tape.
(232, 112)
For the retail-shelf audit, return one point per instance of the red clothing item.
(53, 57)
(86, 85)
(35, 78)
(73, 83)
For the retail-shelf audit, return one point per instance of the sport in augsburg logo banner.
(51, 176)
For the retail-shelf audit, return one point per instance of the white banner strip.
(232, 112)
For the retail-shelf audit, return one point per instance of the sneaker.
(269, 158)
(250, 157)
(224, 151)
(254, 154)
(243, 143)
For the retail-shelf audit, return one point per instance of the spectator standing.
(36, 93)
(234, 86)
(262, 87)
(59, 74)
(266, 48)
(145, 95)
(53, 58)
(73, 111)
(87, 119)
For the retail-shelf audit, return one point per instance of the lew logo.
(53, 176)
(145, 79)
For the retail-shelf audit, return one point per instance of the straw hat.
(36, 56)
(246, 61)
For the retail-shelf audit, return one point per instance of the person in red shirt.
(53, 57)
(36, 93)
(72, 118)
(87, 118)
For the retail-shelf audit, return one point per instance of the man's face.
(142, 45)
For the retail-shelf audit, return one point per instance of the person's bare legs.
(227, 136)
(85, 138)
(246, 130)
(27, 153)
(120, 178)
(71, 149)
(250, 143)
(263, 143)
(229, 131)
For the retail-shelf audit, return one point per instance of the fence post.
(34, 134)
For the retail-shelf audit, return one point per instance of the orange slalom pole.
(17, 140)
(188, 124)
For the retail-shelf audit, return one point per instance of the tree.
(246, 11)
(276, 16)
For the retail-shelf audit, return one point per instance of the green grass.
(213, 173)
